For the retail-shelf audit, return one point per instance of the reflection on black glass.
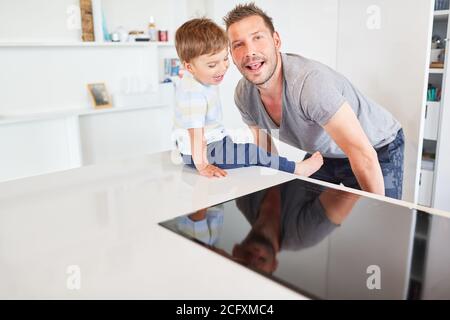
(288, 217)
(291, 216)
(203, 225)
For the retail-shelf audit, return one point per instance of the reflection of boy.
(204, 225)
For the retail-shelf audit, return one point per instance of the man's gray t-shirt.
(312, 93)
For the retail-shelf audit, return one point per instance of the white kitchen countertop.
(104, 220)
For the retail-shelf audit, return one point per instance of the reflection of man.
(288, 217)
(313, 107)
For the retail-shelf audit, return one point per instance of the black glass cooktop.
(328, 244)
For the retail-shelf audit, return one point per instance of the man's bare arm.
(345, 129)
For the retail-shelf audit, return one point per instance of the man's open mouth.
(254, 66)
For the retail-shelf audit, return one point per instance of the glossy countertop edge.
(402, 203)
(167, 166)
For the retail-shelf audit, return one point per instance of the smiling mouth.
(254, 66)
(218, 78)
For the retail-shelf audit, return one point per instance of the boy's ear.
(187, 66)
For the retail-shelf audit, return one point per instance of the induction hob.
(328, 244)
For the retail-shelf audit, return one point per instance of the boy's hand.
(212, 171)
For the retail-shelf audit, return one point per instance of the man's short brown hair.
(242, 11)
(199, 36)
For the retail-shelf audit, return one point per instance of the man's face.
(254, 49)
(256, 252)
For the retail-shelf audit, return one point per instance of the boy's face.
(209, 69)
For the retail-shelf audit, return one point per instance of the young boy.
(202, 47)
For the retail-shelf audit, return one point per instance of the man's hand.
(210, 171)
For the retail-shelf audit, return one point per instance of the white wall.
(36, 20)
(390, 64)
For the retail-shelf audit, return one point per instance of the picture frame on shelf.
(99, 95)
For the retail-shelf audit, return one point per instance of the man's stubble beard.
(265, 81)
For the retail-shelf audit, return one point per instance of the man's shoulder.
(297, 67)
(299, 70)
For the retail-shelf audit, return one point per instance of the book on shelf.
(437, 65)
(172, 67)
(87, 20)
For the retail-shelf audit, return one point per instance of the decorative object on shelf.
(137, 35)
(436, 55)
(106, 35)
(436, 42)
(98, 20)
(437, 52)
(163, 35)
(437, 65)
(99, 95)
(119, 35)
(152, 31)
(433, 93)
(87, 20)
(428, 156)
(172, 67)
(115, 37)
(135, 91)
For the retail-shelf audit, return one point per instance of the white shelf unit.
(72, 138)
(433, 126)
(53, 123)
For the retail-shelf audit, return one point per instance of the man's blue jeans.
(226, 154)
(390, 157)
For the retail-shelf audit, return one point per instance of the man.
(314, 108)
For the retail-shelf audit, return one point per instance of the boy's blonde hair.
(197, 37)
